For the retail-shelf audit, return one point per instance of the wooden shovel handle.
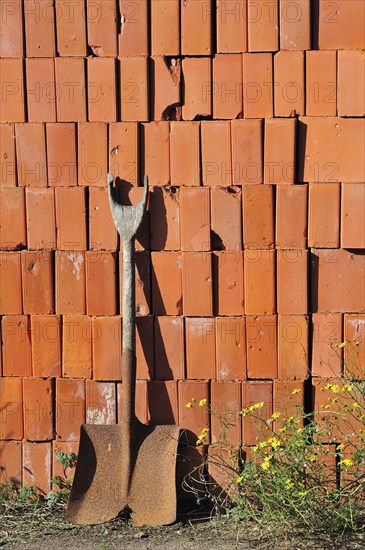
(129, 335)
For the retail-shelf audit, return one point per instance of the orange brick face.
(12, 43)
(31, 155)
(11, 283)
(216, 153)
(37, 463)
(228, 275)
(226, 403)
(198, 87)
(76, 349)
(39, 30)
(7, 156)
(169, 348)
(134, 88)
(247, 147)
(16, 352)
(70, 408)
(336, 273)
(321, 83)
(258, 93)
(11, 426)
(92, 153)
(227, 86)
(258, 216)
(289, 83)
(295, 25)
(261, 335)
(106, 347)
(167, 283)
(341, 160)
(293, 359)
(133, 40)
(71, 100)
(46, 345)
(37, 280)
(326, 334)
(38, 409)
(200, 347)
(260, 292)
(262, 26)
(41, 218)
(231, 26)
(195, 219)
(61, 154)
(341, 29)
(70, 218)
(41, 89)
(12, 82)
(11, 462)
(255, 392)
(230, 348)
(101, 27)
(101, 89)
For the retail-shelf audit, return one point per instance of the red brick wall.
(247, 117)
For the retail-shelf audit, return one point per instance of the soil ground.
(40, 529)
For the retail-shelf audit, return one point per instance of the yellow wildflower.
(202, 402)
(260, 445)
(356, 405)
(342, 345)
(239, 479)
(291, 420)
(274, 442)
(347, 387)
(302, 493)
(201, 436)
(254, 407)
(266, 463)
(346, 462)
(289, 484)
(340, 447)
(275, 416)
(335, 388)
(295, 391)
(313, 458)
(188, 405)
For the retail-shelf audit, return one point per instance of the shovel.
(129, 465)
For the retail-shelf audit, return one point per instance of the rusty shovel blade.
(129, 465)
(99, 489)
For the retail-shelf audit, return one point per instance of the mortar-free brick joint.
(248, 118)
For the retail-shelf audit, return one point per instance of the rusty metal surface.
(130, 465)
(99, 492)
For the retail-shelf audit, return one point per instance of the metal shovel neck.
(127, 220)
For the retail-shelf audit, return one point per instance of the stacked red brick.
(243, 278)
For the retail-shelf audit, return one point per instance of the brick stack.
(247, 117)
